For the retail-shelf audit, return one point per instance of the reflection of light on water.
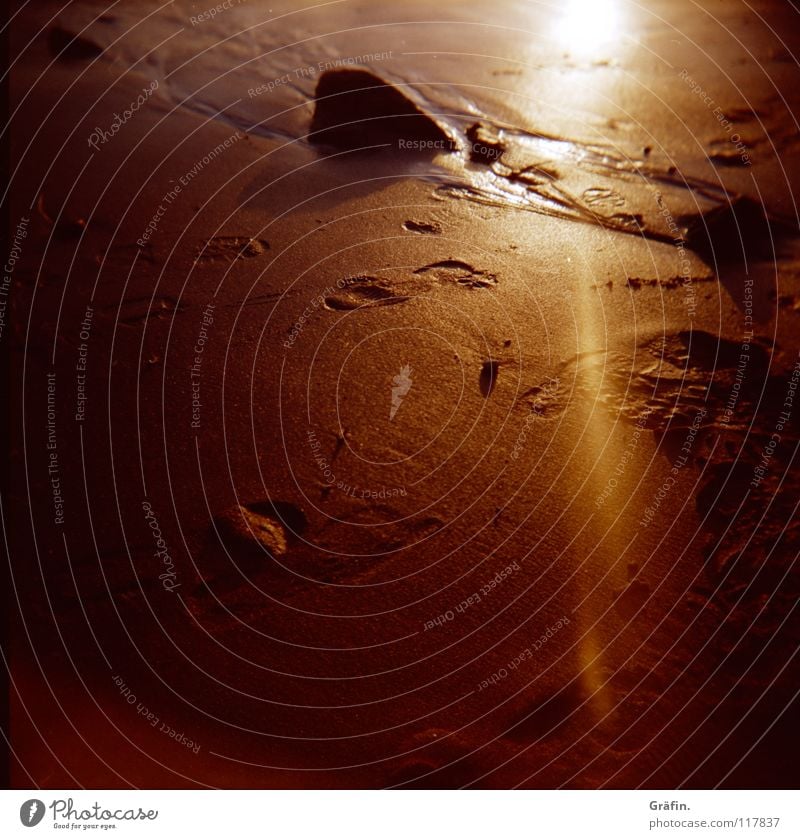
(551, 149)
(583, 25)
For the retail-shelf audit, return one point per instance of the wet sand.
(454, 449)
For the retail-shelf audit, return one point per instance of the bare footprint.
(231, 248)
(263, 527)
(457, 271)
(364, 292)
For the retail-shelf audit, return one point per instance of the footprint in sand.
(141, 309)
(263, 527)
(456, 271)
(550, 715)
(258, 541)
(363, 292)
(231, 248)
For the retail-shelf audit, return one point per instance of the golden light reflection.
(586, 25)
(611, 539)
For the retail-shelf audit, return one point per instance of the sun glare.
(584, 25)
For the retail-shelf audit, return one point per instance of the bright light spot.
(585, 25)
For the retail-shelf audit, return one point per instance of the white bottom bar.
(411, 814)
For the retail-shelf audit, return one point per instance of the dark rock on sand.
(356, 109)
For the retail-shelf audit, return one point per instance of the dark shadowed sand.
(404, 394)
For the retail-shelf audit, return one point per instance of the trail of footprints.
(365, 291)
(273, 541)
(671, 377)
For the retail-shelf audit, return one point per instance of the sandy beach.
(403, 395)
